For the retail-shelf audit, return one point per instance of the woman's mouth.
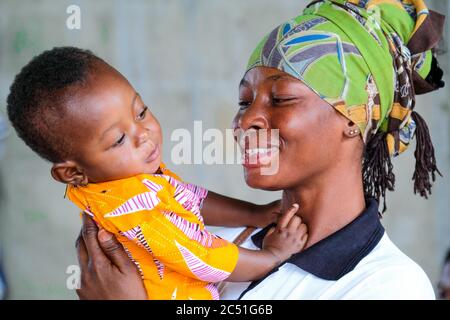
(259, 157)
(261, 148)
(153, 155)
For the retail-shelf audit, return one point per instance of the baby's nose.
(142, 136)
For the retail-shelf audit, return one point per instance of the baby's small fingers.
(303, 240)
(286, 217)
(302, 229)
(294, 223)
(304, 237)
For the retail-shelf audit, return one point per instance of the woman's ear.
(351, 130)
(68, 172)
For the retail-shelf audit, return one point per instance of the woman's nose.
(254, 116)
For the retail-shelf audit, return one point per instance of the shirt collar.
(339, 253)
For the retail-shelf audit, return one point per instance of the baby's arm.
(220, 210)
(287, 238)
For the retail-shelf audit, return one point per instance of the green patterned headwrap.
(368, 59)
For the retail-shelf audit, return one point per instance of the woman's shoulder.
(386, 255)
(388, 273)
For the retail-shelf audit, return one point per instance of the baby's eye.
(120, 141)
(142, 114)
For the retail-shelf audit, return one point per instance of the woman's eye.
(244, 104)
(279, 100)
(142, 114)
(120, 141)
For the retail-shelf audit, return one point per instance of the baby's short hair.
(38, 95)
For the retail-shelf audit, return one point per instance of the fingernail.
(104, 236)
(295, 205)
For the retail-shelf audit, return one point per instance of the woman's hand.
(106, 271)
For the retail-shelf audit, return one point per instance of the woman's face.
(310, 130)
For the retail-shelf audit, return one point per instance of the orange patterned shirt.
(157, 219)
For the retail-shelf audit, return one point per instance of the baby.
(77, 111)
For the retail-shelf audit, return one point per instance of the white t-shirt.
(357, 262)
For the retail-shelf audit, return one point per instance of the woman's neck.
(329, 203)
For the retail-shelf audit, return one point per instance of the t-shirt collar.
(336, 255)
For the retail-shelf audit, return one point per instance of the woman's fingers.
(83, 257)
(83, 261)
(114, 250)
(106, 270)
(89, 232)
(286, 217)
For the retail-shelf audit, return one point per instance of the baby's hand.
(288, 237)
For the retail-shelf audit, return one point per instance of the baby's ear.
(68, 172)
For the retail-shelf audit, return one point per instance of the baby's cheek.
(126, 162)
(117, 165)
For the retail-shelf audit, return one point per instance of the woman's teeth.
(261, 155)
(259, 151)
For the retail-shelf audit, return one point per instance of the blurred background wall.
(186, 58)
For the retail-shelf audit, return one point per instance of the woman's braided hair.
(378, 175)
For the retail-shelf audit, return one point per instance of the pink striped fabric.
(143, 201)
(211, 287)
(200, 269)
(135, 234)
(191, 230)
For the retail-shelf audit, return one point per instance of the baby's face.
(116, 136)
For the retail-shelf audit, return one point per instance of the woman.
(339, 82)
